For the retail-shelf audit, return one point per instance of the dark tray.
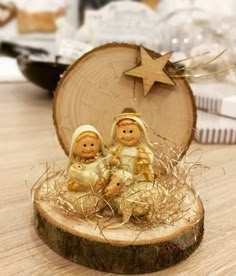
(42, 73)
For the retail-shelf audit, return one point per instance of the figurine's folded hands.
(115, 161)
(73, 186)
(143, 155)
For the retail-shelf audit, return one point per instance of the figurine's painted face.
(127, 133)
(87, 145)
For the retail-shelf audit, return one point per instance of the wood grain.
(28, 137)
(94, 89)
(123, 249)
(151, 70)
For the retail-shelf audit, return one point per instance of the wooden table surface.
(28, 138)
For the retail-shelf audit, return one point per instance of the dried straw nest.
(168, 199)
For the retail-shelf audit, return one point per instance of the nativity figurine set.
(120, 175)
(128, 206)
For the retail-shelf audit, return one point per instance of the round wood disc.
(123, 249)
(95, 89)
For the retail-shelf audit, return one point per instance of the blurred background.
(39, 39)
(60, 30)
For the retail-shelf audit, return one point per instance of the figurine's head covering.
(137, 120)
(78, 132)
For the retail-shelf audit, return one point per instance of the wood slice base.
(120, 250)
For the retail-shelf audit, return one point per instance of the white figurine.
(131, 148)
(87, 171)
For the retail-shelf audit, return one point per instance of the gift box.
(215, 129)
(218, 98)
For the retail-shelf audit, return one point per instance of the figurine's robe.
(130, 160)
(86, 200)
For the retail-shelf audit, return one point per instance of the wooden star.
(151, 70)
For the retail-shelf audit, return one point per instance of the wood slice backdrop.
(92, 91)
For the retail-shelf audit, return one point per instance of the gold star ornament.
(151, 70)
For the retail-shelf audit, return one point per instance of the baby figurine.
(87, 171)
(131, 147)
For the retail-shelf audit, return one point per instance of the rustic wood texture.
(94, 89)
(151, 70)
(28, 137)
(120, 250)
